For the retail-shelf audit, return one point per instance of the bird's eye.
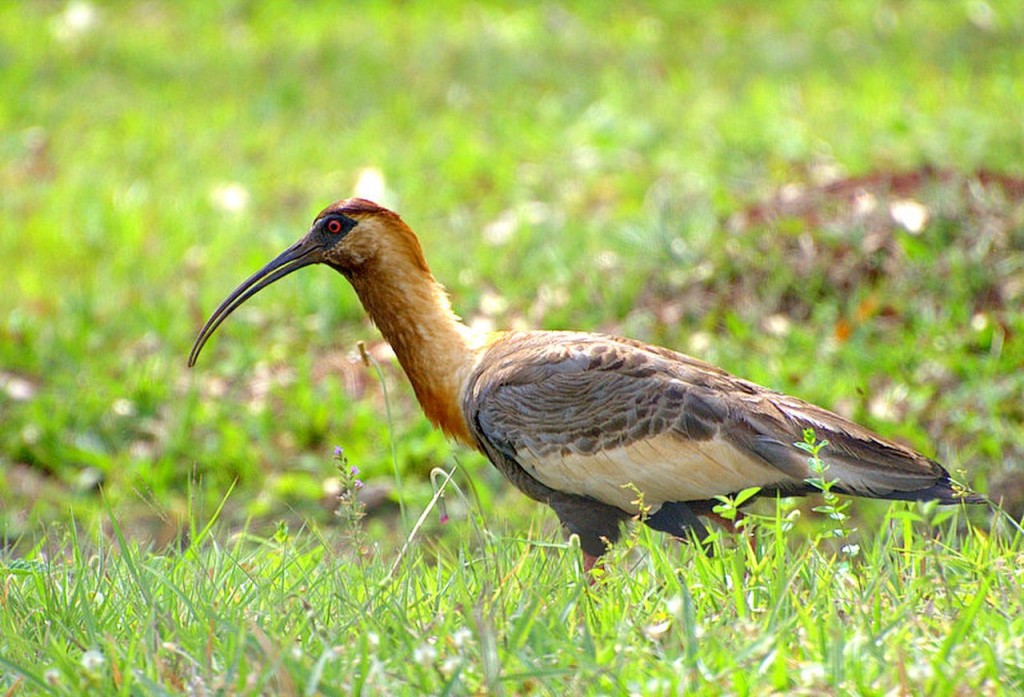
(334, 226)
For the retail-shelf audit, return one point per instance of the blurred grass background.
(594, 166)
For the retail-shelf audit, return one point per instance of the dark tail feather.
(945, 492)
(882, 471)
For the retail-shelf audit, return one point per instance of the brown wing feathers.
(554, 398)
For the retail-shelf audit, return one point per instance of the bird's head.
(353, 236)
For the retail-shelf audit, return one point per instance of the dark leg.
(596, 523)
(677, 519)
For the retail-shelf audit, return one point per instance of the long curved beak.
(302, 253)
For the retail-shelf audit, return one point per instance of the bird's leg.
(595, 524)
(590, 562)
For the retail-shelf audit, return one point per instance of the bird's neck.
(437, 351)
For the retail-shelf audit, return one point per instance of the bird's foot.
(590, 565)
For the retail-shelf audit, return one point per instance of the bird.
(602, 429)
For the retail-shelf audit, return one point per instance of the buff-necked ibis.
(580, 421)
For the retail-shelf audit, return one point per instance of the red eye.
(334, 227)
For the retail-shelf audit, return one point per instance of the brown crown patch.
(356, 207)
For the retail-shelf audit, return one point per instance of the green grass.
(566, 167)
(917, 606)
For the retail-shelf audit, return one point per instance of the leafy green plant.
(834, 508)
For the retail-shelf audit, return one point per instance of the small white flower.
(501, 229)
(18, 389)
(31, 434)
(658, 686)
(92, 660)
(700, 342)
(777, 325)
(372, 184)
(492, 303)
(657, 630)
(230, 198)
(910, 215)
(607, 260)
(123, 407)
(461, 637)
(811, 673)
(424, 654)
(864, 203)
(449, 665)
(78, 19)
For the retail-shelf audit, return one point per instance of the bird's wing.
(613, 419)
